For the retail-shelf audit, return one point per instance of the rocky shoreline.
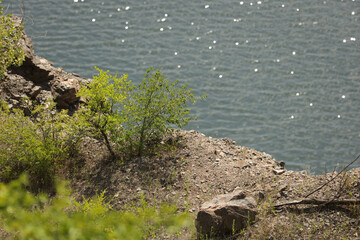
(38, 80)
(195, 172)
(203, 175)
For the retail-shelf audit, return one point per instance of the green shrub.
(153, 107)
(10, 34)
(101, 114)
(35, 144)
(132, 116)
(29, 217)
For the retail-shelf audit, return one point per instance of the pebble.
(278, 171)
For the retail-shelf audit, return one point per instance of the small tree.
(131, 116)
(155, 106)
(104, 94)
(10, 51)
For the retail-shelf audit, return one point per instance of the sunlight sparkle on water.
(220, 76)
(343, 96)
(311, 104)
(93, 20)
(241, 3)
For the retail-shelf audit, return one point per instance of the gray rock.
(38, 80)
(16, 87)
(279, 171)
(226, 214)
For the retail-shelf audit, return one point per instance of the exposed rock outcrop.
(38, 80)
(226, 213)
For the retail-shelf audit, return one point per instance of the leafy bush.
(30, 217)
(35, 144)
(10, 34)
(135, 115)
(153, 107)
(102, 114)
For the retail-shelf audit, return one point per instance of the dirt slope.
(191, 168)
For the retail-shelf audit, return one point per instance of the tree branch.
(332, 179)
(319, 202)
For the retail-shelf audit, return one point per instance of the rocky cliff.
(38, 80)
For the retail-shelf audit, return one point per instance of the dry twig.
(319, 202)
(332, 179)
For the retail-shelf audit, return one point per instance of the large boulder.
(226, 214)
(38, 80)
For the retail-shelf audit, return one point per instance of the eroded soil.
(190, 168)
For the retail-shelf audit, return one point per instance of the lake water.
(281, 76)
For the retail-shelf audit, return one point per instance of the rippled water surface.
(281, 76)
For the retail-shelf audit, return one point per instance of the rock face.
(226, 214)
(38, 80)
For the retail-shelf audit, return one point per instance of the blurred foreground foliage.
(26, 216)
